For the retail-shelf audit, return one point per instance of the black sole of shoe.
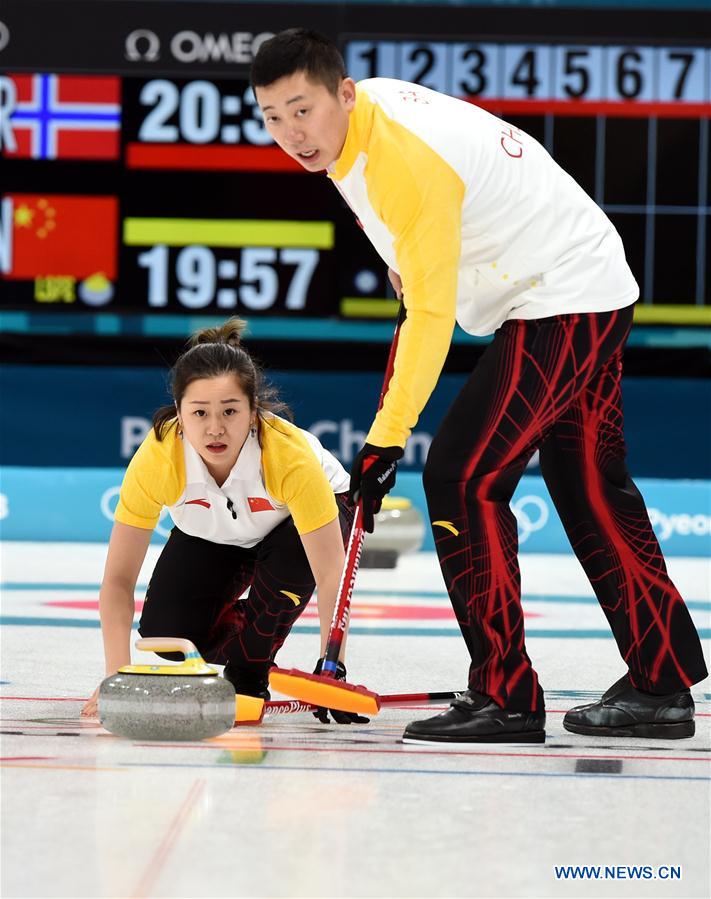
(676, 731)
(534, 736)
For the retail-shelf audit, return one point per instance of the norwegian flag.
(63, 117)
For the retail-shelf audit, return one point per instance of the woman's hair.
(214, 352)
(299, 50)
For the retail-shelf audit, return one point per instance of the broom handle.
(341, 613)
(290, 706)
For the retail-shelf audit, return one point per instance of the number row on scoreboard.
(539, 71)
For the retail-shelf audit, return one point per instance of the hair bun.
(230, 333)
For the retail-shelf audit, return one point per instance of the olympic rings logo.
(531, 515)
(109, 500)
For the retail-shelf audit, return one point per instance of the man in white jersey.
(479, 225)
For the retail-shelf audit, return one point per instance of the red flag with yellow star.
(57, 234)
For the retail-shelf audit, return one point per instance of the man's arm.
(419, 197)
(421, 203)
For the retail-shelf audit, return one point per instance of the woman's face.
(215, 416)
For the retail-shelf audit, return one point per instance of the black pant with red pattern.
(551, 384)
(196, 588)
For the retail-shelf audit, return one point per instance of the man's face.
(306, 120)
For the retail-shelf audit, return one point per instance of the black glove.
(371, 482)
(338, 716)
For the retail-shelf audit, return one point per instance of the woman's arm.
(127, 550)
(326, 555)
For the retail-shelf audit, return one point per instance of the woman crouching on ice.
(258, 504)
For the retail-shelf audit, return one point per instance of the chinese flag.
(55, 234)
(259, 504)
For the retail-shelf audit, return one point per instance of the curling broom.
(323, 689)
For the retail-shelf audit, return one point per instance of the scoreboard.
(630, 122)
(136, 174)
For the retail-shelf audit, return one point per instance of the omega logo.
(142, 45)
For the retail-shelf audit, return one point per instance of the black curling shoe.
(624, 711)
(475, 718)
(247, 681)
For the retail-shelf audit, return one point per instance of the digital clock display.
(227, 270)
(198, 112)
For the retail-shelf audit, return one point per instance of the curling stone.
(187, 701)
(399, 528)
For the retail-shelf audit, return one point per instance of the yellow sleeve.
(155, 477)
(294, 476)
(419, 198)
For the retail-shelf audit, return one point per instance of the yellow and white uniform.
(479, 221)
(290, 474)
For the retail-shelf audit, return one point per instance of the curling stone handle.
(169, 644)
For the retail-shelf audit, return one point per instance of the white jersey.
(289, 474)
(479, 221)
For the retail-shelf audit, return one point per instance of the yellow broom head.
(248, 709)
(324, 691)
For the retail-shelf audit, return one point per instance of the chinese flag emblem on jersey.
(63, 117)
(54, 234)
(259, 504)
